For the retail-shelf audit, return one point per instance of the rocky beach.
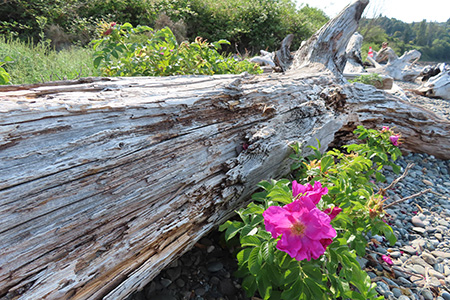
(417, 267)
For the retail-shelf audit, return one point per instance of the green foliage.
(432, 39)
(372, 79)
(253, 25)
(4, 76)
(336, 274)
(250, 24)
(30, 63)
(123, 50)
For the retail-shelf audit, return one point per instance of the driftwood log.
(104, 181)
(437, 86)
(400, 68)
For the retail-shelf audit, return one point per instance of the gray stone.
(436, 274)
(382, 288)
(420, 230)
(419, 261)
(165, 282)
(200, 291)
(403, 297)
(173, 273)
(404, 282)
(227, 287)
(428, 182)
(442, 222)
(163, 297)
(397, 292)
(439, 267)
(442, 254)
(428, 258)
(362, 261)
(410, 250)
(396, 254)
(427, 295)
(445, 295)
(390, 282)
(446, 270)
(417, 221)
(215, 266)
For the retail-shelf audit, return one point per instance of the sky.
(405, 10)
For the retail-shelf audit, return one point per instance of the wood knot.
(334, 99)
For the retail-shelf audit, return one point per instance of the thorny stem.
(383, 191)
(407, 198)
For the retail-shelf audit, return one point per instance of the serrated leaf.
(294, 291)
(264, 286)
(249, 285)
(115, 54)
(97, 61)
(253, 265)
(380, 177)
(233, 229)
(250, 241)
(326, 162)
(243, 256)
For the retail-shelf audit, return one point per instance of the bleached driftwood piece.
(265, 59)
(353, 54)
(400, 68)
(104, 182)
(437, 86)
(422, 131)
(327, 47)
(283, 57)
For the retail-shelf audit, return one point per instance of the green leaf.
(389, 234)
(253, 265)
(294, 291)
(250, 240)
(232, 229)
(326, 162)
(249, 285)
(313, 271)
(115, 54)
(380, 177)
(243, 256)
(315, 289)
(264, 286)
(97, 61)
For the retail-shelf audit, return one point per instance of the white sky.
(405, 10)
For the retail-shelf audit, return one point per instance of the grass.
(36, 63)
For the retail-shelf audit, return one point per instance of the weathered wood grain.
(102, 183)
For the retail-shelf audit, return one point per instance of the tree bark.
(104, 181)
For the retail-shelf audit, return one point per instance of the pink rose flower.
(305, 230)
(333, 212)
(385, 128)
(313, 193)
(394, 139)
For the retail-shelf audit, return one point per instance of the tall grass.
(35, 63)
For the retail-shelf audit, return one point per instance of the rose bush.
(300, 240)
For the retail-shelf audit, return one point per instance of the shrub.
(299, 240)
(372, 79)
(125, 51)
